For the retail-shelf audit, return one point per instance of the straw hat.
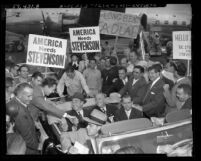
(113, 98)
(96, 117)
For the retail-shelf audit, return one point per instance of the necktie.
(103, 110)
(79, 114)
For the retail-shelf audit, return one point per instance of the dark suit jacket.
(74, 66)
(104, 76)
(168, 81)
(187, 104)
(112, 74)
(154, 101)
(82, 123)
(25, 126)
(115, 87)
(121, 114)
(110, 110)
(39, 104)
(136, 91)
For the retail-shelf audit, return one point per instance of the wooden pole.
(188, 69)
(115, 44)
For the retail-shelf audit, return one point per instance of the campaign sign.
(85, 39)
(182, 45)
(46, 51)
(119, 24)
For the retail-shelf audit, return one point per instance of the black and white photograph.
(98, 80)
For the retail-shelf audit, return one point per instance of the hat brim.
(108, 100)
(91, 121)
(84, 100)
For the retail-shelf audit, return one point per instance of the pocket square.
(153, 93)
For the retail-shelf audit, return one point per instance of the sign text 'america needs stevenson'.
(46, 51)
(85, 39)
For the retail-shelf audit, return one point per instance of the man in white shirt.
(74, 82)
(93, 77)
(126, 112)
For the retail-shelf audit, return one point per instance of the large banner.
(119, 24)
(46, 51)
(182, 45)
(85, 39)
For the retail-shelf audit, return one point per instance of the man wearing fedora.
(105, 108)
(126, 112)
(78, 111)
(83, 135)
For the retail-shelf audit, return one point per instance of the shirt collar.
(179, 79)
(20, 102)
(154, 82)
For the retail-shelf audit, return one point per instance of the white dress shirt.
(134, 81)
(125, 80)
(154, 82)
(128, 113)
(81, 113)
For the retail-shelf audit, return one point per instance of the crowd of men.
(132, 89)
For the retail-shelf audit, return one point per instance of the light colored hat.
(114, 98)
(96, 117)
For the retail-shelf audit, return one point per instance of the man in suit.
(105, 108)
(184, 95)
(78, 111)
(126, 112)
(170, 95)
(112, 73)
(40, 105)
(24, 124)
(153, 103)
(119, 83)
(136, 85)
(83, 135)
(74, 62)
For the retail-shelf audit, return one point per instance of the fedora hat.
(79, 96)
(113, 98)
(96, 117)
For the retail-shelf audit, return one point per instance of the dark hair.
(156, 67)
(173, 64)
(9, 82)
(12, 65)
(186, 87)
(24, 65)
(14, 143)
(126, 96)
(129, 150)
(181, 69)
(140, 68)
(21, 87)
(92, 59)
(113, 60)
(37, 74)
(122, 68)
(49, 82)
(69, 69)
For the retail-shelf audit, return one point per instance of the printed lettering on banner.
(182, 45)
(119, 24)
(85, 39)
(46, 51)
